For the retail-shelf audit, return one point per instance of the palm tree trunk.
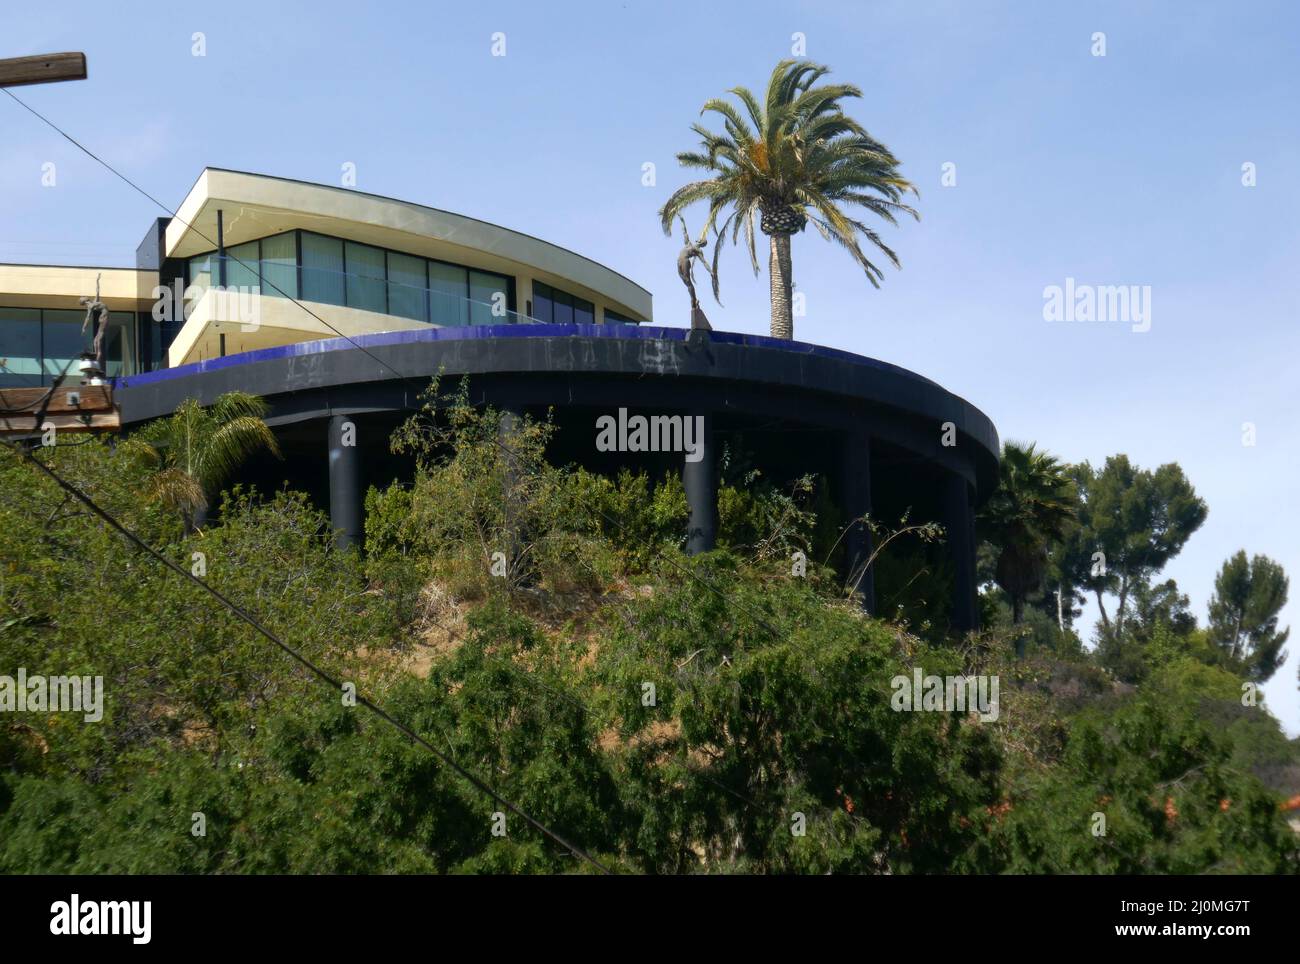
(780, 272)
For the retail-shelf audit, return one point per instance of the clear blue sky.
(1117, 170)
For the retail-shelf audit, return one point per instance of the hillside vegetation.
(542, 627)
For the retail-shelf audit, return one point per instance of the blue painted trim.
(381, 339)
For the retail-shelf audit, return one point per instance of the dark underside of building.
(886, 441)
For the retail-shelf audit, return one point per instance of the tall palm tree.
(1033, 507)
(191, 453)
(792, 158)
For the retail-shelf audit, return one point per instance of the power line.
(680, 569)
(299, 658)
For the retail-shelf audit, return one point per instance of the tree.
(747, 728)
(1032, 508)
(1163, 604)
(1243, 614)
(1131, 523)
(796, 157)
(1160, 627)
(191, 453)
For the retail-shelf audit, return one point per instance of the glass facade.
(243, 266)
(488, 299)
(332, 271)
(614, 318)
(201, 271)
(322, 269)
(407, 281)
(35, 344)
(20, 347)
(552, 305)
(448, 290)
(365, 271)
(279, 257)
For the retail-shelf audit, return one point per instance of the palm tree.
(191, 453)
(795, 158)
(1032, 508)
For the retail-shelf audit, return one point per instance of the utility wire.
(681, 570)
(299, 658)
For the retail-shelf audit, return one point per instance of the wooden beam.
(23, 424)
(42, 69)
(91, 398)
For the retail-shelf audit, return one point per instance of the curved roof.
(741, 372)
(258, 205)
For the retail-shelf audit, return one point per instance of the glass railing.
(419, 303)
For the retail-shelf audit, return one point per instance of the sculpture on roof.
(96, 315)
(691, 252)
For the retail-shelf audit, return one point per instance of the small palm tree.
(1033, 507)
(795, 158)
(191, 453)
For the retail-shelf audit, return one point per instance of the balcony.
(248, 317)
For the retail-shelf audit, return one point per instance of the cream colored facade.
(255, 207)
(56, 286)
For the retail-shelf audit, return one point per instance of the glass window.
(614, 318)
(488, 298)
(563, 306)
(448, 287)
(119, 344)
(200, 270)
(322, 269)
(280, 266)
(406, 286)
(241, 266)
(543, 307)
(365, 268)
(20, 347)
(553, 305)
(63, 342)
(330, 270)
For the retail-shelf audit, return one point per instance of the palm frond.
(793, 151)
(230, 445)
(175, 489)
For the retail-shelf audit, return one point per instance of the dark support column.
(221, 251)
(346, 509)
(700, 480)
(507, 434)
(959, 521)
(855, 502)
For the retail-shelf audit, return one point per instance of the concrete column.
(855, 502)
(959, 521)
(347, 511)
(700, 480)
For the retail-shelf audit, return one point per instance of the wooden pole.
(42, 69)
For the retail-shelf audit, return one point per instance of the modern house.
(338, 307)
